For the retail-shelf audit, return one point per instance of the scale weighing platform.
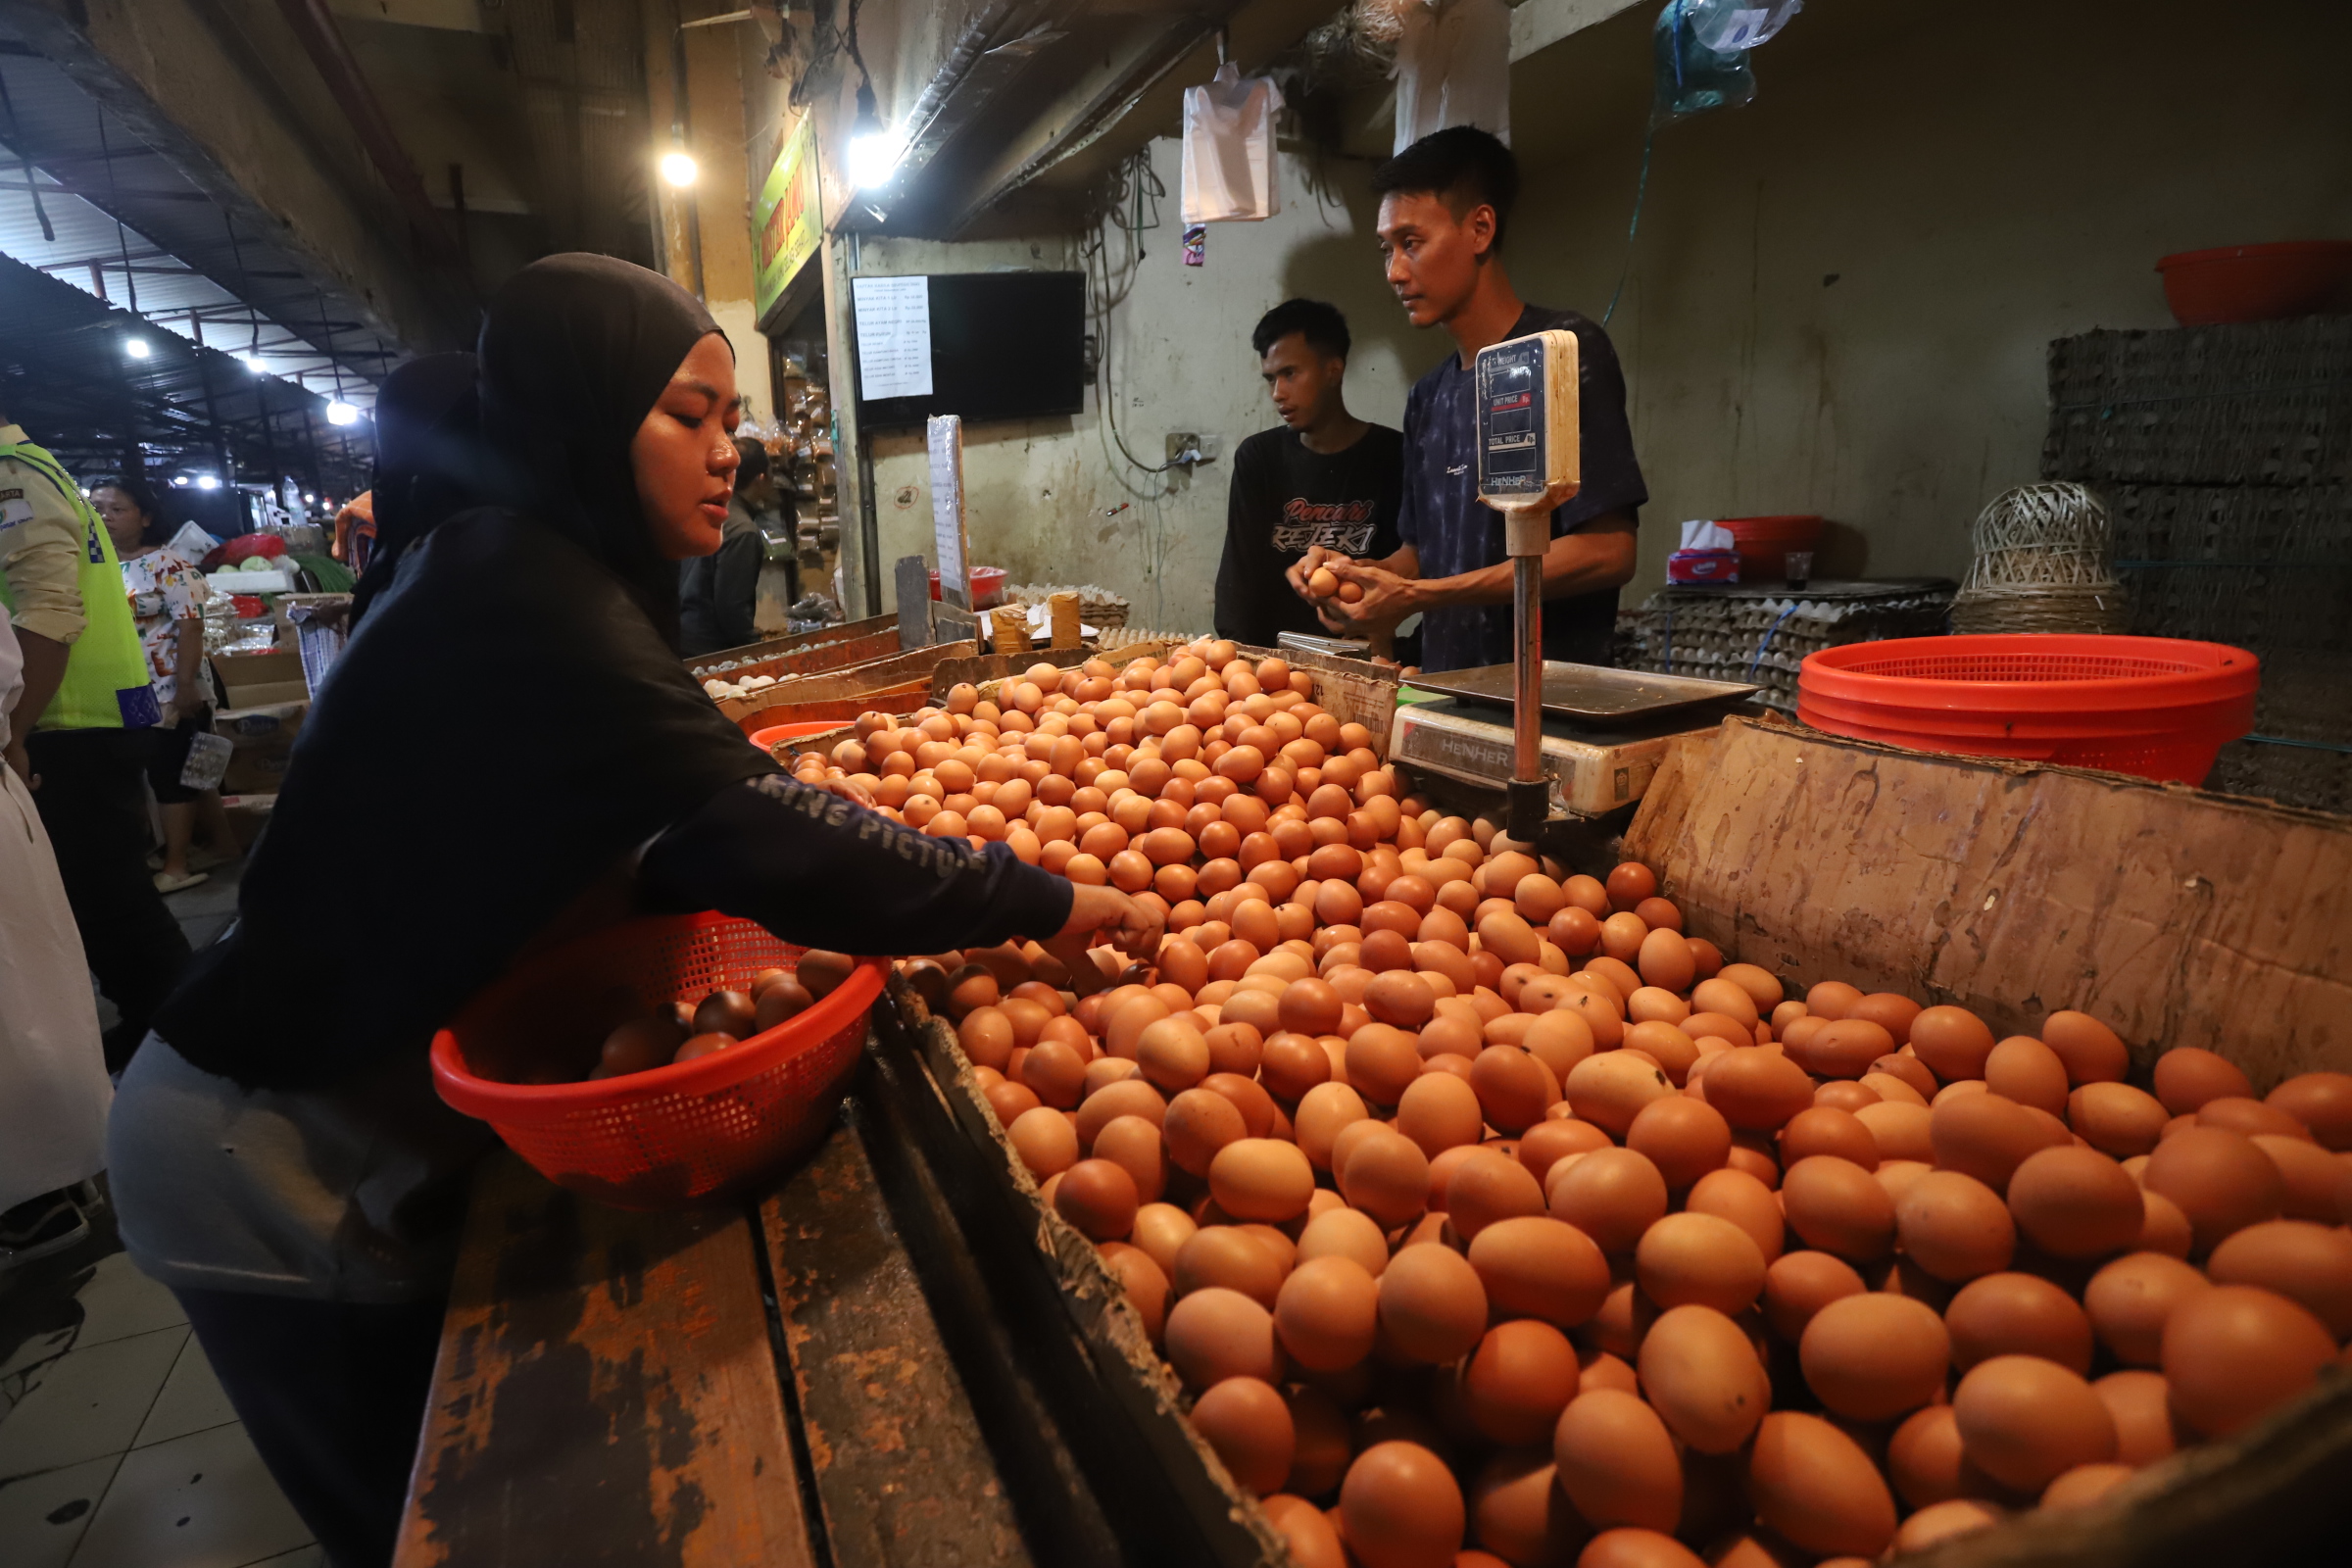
(1604, 731)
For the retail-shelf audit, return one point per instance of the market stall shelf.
(606, 1392)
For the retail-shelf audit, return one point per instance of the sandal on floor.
(165, 882)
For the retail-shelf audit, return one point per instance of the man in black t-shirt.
(1326, 481)
(1446, 203)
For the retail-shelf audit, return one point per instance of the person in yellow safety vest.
(75, 731)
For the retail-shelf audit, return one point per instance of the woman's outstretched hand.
(1133, 928)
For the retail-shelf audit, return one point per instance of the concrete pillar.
(716, 208)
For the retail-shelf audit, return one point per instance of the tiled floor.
(118, 1449)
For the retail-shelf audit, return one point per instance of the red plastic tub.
(1764, 543)
(688, 1132)
(765, 739)
(2258, 283)
(988, 586)
(2151, 705)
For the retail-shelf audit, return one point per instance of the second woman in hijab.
(279, 1158)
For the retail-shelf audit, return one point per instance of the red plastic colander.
(683, 1134)
(2158, 706)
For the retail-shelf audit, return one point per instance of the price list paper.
(894, 336)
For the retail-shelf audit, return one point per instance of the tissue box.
(1702, 567)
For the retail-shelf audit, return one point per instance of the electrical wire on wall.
(1129, 203)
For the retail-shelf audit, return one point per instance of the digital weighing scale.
(1579, 740)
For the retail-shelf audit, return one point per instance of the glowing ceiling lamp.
(678, 168)
(341, 412)
(136, 348)
(874, 148)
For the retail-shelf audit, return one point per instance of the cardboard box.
(259, 680)
(2175, 917)
(248, 814)
(262, 739)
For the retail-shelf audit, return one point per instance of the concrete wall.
(1840, 303)
(1842, 292)
(1042, 494)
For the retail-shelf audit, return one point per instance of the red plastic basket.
(683, 1134)
(2152, 705)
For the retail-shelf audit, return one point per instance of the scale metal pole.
(1527, 534)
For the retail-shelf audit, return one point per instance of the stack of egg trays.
(1763, 641)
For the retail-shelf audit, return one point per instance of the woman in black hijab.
(426, 461)
(509, 752)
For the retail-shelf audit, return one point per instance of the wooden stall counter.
(757, 1385)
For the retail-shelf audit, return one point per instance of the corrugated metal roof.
(196, 268)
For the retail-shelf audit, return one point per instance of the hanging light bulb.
(678, 168)
(136, 348)
(207, 481)
(341, 412)
(875, 149)
(253, 362)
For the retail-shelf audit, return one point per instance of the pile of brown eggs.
(688, 1031)
(1488, 1218)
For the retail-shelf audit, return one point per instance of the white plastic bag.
(1453, 68)
(1229, 148)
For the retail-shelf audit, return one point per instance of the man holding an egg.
(1446, 205)
(1325, 482)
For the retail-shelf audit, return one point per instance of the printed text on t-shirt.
(1343, 525)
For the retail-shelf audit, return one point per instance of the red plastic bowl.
(2258, 283)
(1764, 543)
(689, 1133)
(988, 585)
(765, 739)
(2157, 707)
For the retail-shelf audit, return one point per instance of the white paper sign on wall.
(894, 336)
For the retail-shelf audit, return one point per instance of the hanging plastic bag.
(1229, 162)
(1701, 49)
(1725, 25)
(1453, 68)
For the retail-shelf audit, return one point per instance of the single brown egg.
(2235, 1353)
(703, 1045)
(1952, 1041)
(1617, 1462)
(1835, 1205)
(2024, 1069)
(1514, 1088)
(1216, 1334)
(1984, 1135)
(1437, 1110)
(1386, 1175)
(2142, 1407)
(1756, 1088)
(2219, 1179)
(1941, 1521)
(1199, 1122)
(1956, 1227)
(2312, 1176)
(2323, 1102)
(1099, 1198)
(1700, 1260)
(2083, 1485)
(1485, 1187)
(1925, 1462)
(1146, 1284)
(1823, 1130)
(1685, 1138)
(1611, 1195)
(726, 1012)
(2016, 1314)
(2116, 1118)
(1900, 1131)
(1519, 1513)
(1542, 1267)
(2093, 1052)
(639, 1045)
(1702, 1373)
(1261, 1179)
(1431, 1307)
(2025, 1421)
(2308, 1263)
(1872, 1356)
(1799, 1285)
(1227, 1257)
(2075, 1203)
(1401, 1507)
(1817, 1487)
(1327, 1313)
(1740, 1196)
(1245, 1419)
(1044, 1140)
(1609, 1088)
(2129, 1299)
(1518, 1379)
(2187, 1077)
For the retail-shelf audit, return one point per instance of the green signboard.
(786, 223)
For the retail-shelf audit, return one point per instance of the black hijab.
(576, 351)
(509, 727)
(428, 462)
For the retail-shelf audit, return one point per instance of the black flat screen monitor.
(1003, 346)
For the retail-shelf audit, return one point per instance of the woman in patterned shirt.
(166, 598)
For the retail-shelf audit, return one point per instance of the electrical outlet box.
(1186, 449)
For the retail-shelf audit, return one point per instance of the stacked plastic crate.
(2225, 456)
